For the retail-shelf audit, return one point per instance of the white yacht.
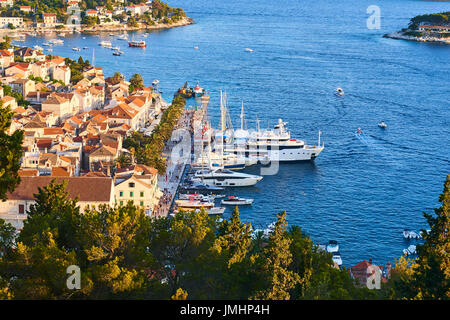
(382, 125)
(337, 258)
(272, 145)
(269, 145)
(76, 49)
(226, 178)
(215, 160)
(332, 246)
(106, 44)
(236, 201)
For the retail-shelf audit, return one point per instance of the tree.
(6, 44)
(136, 81)
(234, 238)
(10, 153)
(108, 244)
(433, 271)
(277, 261)
(180, 295)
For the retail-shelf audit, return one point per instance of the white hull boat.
(226, 178)
(332, 246)
(236, 201)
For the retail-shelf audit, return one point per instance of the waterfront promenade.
(177, 159)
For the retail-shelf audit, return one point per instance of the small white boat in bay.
(410, 251)
(76, 49)
(382, 125)
(337, 258)
(332, 246)
(339, 92)
(236, 201)
(249, 50)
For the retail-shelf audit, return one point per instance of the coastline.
(399, 35)
(105, 28)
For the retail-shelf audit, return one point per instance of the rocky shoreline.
(105, 28)
(401, 36)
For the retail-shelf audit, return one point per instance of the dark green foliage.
(10, 153)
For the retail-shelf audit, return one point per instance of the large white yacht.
(274, 145)
(226, 178)
(265, 145)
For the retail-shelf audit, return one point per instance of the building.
(6, 3)
(365, 271)
(138, 184)
(15, 21)
(25, 8)
(23, 86)
(49, 19)
(434, 28)
(91, 191)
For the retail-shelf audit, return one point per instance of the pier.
(168, 183)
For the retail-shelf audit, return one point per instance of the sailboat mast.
(242, 115)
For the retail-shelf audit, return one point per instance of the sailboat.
(222, 176)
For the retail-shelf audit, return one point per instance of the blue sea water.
(361, 194)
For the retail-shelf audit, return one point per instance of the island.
(88, 16)
(426, 28)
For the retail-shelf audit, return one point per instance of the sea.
(362, 193)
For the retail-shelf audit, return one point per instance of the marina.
(360, 194)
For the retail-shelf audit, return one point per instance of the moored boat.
(332, 246)
(236, 201)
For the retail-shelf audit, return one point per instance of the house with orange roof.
(138, 184)
(90, 191)
(49, 19)
(123, 113)
(58, 105)
(25, 8)
(22, 68)
(8, 101)
(6, 58)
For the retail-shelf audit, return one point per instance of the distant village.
(75, 131)
(118, 15)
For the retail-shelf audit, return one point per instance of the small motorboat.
(236, 201)
(337, 258)
(410, 251)
(85, 48)
(195, 47)
(339, 92)
(332, 246)
(359, 131)
(407, 234)
(382, 125)
(249, 50)
(117, 53)
(76, 49)
(198, 91)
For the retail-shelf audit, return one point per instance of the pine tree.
(278, 261)
(10, 153)
(235, 238)
(433, 272)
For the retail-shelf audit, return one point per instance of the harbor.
(362, 195)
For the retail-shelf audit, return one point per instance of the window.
(142, 193)
(121, 193)
(21, 208)
(131, 194)
(141, 203)
(131, 184)
(121, 203)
